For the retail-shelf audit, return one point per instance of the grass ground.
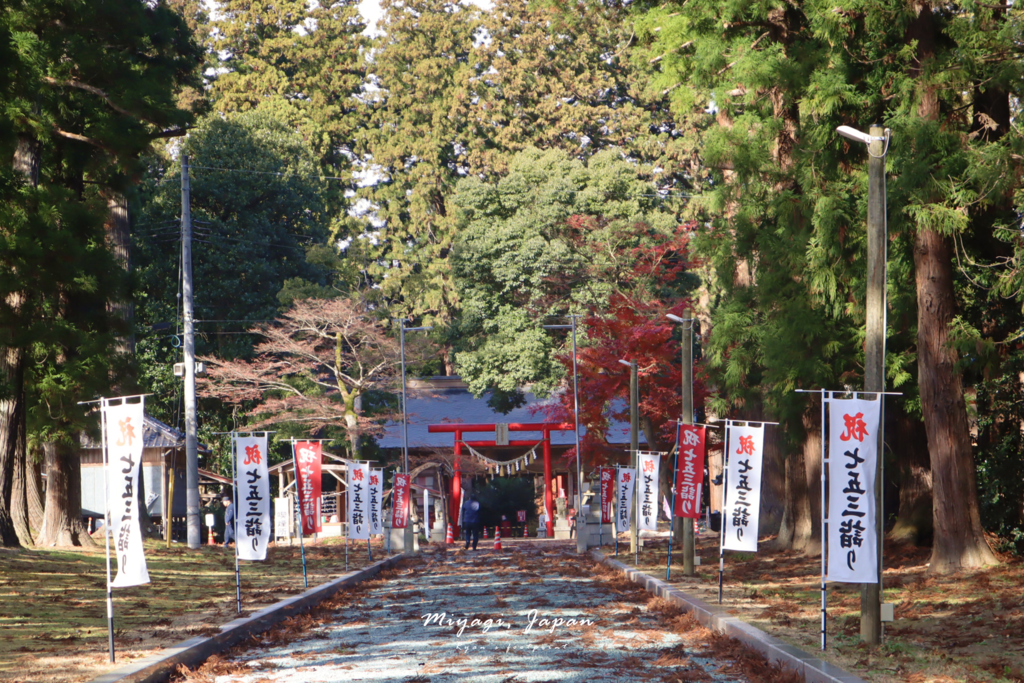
(53, 625)
(966, 627)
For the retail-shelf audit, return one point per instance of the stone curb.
(809, 667)
(159, 668)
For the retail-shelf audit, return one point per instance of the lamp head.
(856, 135)
(626, 363)
(675, 318)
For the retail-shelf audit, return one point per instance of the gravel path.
(526, 614)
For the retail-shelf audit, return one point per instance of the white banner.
(124, 425)
(647, 489)
(375, 490)
(852, 453)
(252, 484)
(358, 501)
(743, 488)
(625, 480)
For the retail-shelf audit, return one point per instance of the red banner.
(690, 472)
(400, 501)
(307, 481)
(607, 478)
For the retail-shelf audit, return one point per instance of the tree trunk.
(914, 520)
(19, 493)
(959, 539)
(799, 530)
(63, 524)
(808, 474)
(12, 418)
(34, 486)
(118, 231)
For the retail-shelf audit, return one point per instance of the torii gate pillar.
(455, 512)
(544, 427)
(549, 503)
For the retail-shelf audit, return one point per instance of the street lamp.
(686, 417)
(874, 348)
(634, 438)
(405, 420)
(575, 415)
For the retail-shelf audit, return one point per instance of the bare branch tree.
(314, 364)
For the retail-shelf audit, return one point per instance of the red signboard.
(521, 516)
(607, 475)
(690, 471)
(400, 501)
(307, 481)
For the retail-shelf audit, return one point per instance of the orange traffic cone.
(485, 533)
(449, 538)
(526, 531)
(497, 538)
(209, 540)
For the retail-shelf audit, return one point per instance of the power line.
(273, 173)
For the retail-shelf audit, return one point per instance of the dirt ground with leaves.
(53, 617)
(966, 627)
(378, 630)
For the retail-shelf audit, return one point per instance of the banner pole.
(106, 527)
(721, 521)
(636, 509)
(234, 483)
(615, 529)
(824, 521)
(672, 505)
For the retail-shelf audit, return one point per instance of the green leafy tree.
(558, 78)
(300, 58)
(79, 112)
(260, 229)
(416, 144)
(552, 237)
(767, 83)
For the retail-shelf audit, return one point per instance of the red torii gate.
(459, 429)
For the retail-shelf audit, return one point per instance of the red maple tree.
(630, 324)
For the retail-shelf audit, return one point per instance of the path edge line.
(160, 667)
(810, 668)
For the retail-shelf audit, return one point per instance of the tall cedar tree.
(90, 86)
(302, 58)
(416, 144)
(769, 82)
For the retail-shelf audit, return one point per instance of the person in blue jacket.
(471, 520)
(229, 521)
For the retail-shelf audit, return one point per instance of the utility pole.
(409, 545)
(191, 443)
(874, 357)
(634, 445)
(687, 418)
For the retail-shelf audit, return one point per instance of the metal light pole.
(877, 141)
(686, 417)
(634, 440)
(409, 537)
(576, 421)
